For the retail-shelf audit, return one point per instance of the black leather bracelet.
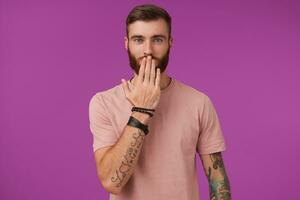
(137, 124)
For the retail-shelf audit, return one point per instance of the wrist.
(149, 112)
(142, 117)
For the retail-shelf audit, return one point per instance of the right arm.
(116, 166)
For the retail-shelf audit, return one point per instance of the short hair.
(148, 12)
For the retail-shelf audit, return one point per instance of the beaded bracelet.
(147, 109)
(143, 110)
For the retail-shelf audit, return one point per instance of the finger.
(152, 75)
(157, 80)
(125, 87)
(147, 70)
(141, 71)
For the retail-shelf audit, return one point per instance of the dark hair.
(148, 12)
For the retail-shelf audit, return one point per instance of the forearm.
(120, 161)
(219, 188)
(218, 181)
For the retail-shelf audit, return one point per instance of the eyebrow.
(154, 36)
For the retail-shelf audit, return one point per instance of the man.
(146, 131)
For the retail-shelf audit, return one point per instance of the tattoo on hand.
(129, 158)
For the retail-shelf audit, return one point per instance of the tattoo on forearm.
(129, 158)
(217, 160)
(138, 139)
(219, 189)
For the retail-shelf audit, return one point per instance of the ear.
(171, 42)
(126, 42)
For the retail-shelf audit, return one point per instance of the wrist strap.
(137, 124)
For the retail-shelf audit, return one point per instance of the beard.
(161, 63)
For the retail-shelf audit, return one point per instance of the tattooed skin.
(129, 158)
(219, 189)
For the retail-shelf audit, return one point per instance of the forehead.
(148, 28)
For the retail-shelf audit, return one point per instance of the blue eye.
(158, 39)
(138, 40)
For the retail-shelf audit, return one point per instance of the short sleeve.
(100, 124)
(211, 137)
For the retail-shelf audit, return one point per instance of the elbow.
(107, 184)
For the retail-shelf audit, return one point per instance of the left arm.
(219, 187)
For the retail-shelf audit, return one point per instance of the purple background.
(55, 55)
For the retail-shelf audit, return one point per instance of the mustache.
(145, 56)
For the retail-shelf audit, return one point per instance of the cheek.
(135, 48)
(138, 55)
(160, 51)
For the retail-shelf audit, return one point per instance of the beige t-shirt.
(185, 122)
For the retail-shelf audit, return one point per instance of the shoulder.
(109, 94)
(191, 92)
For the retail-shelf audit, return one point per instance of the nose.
(148, 49)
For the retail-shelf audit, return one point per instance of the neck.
(165, 80)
